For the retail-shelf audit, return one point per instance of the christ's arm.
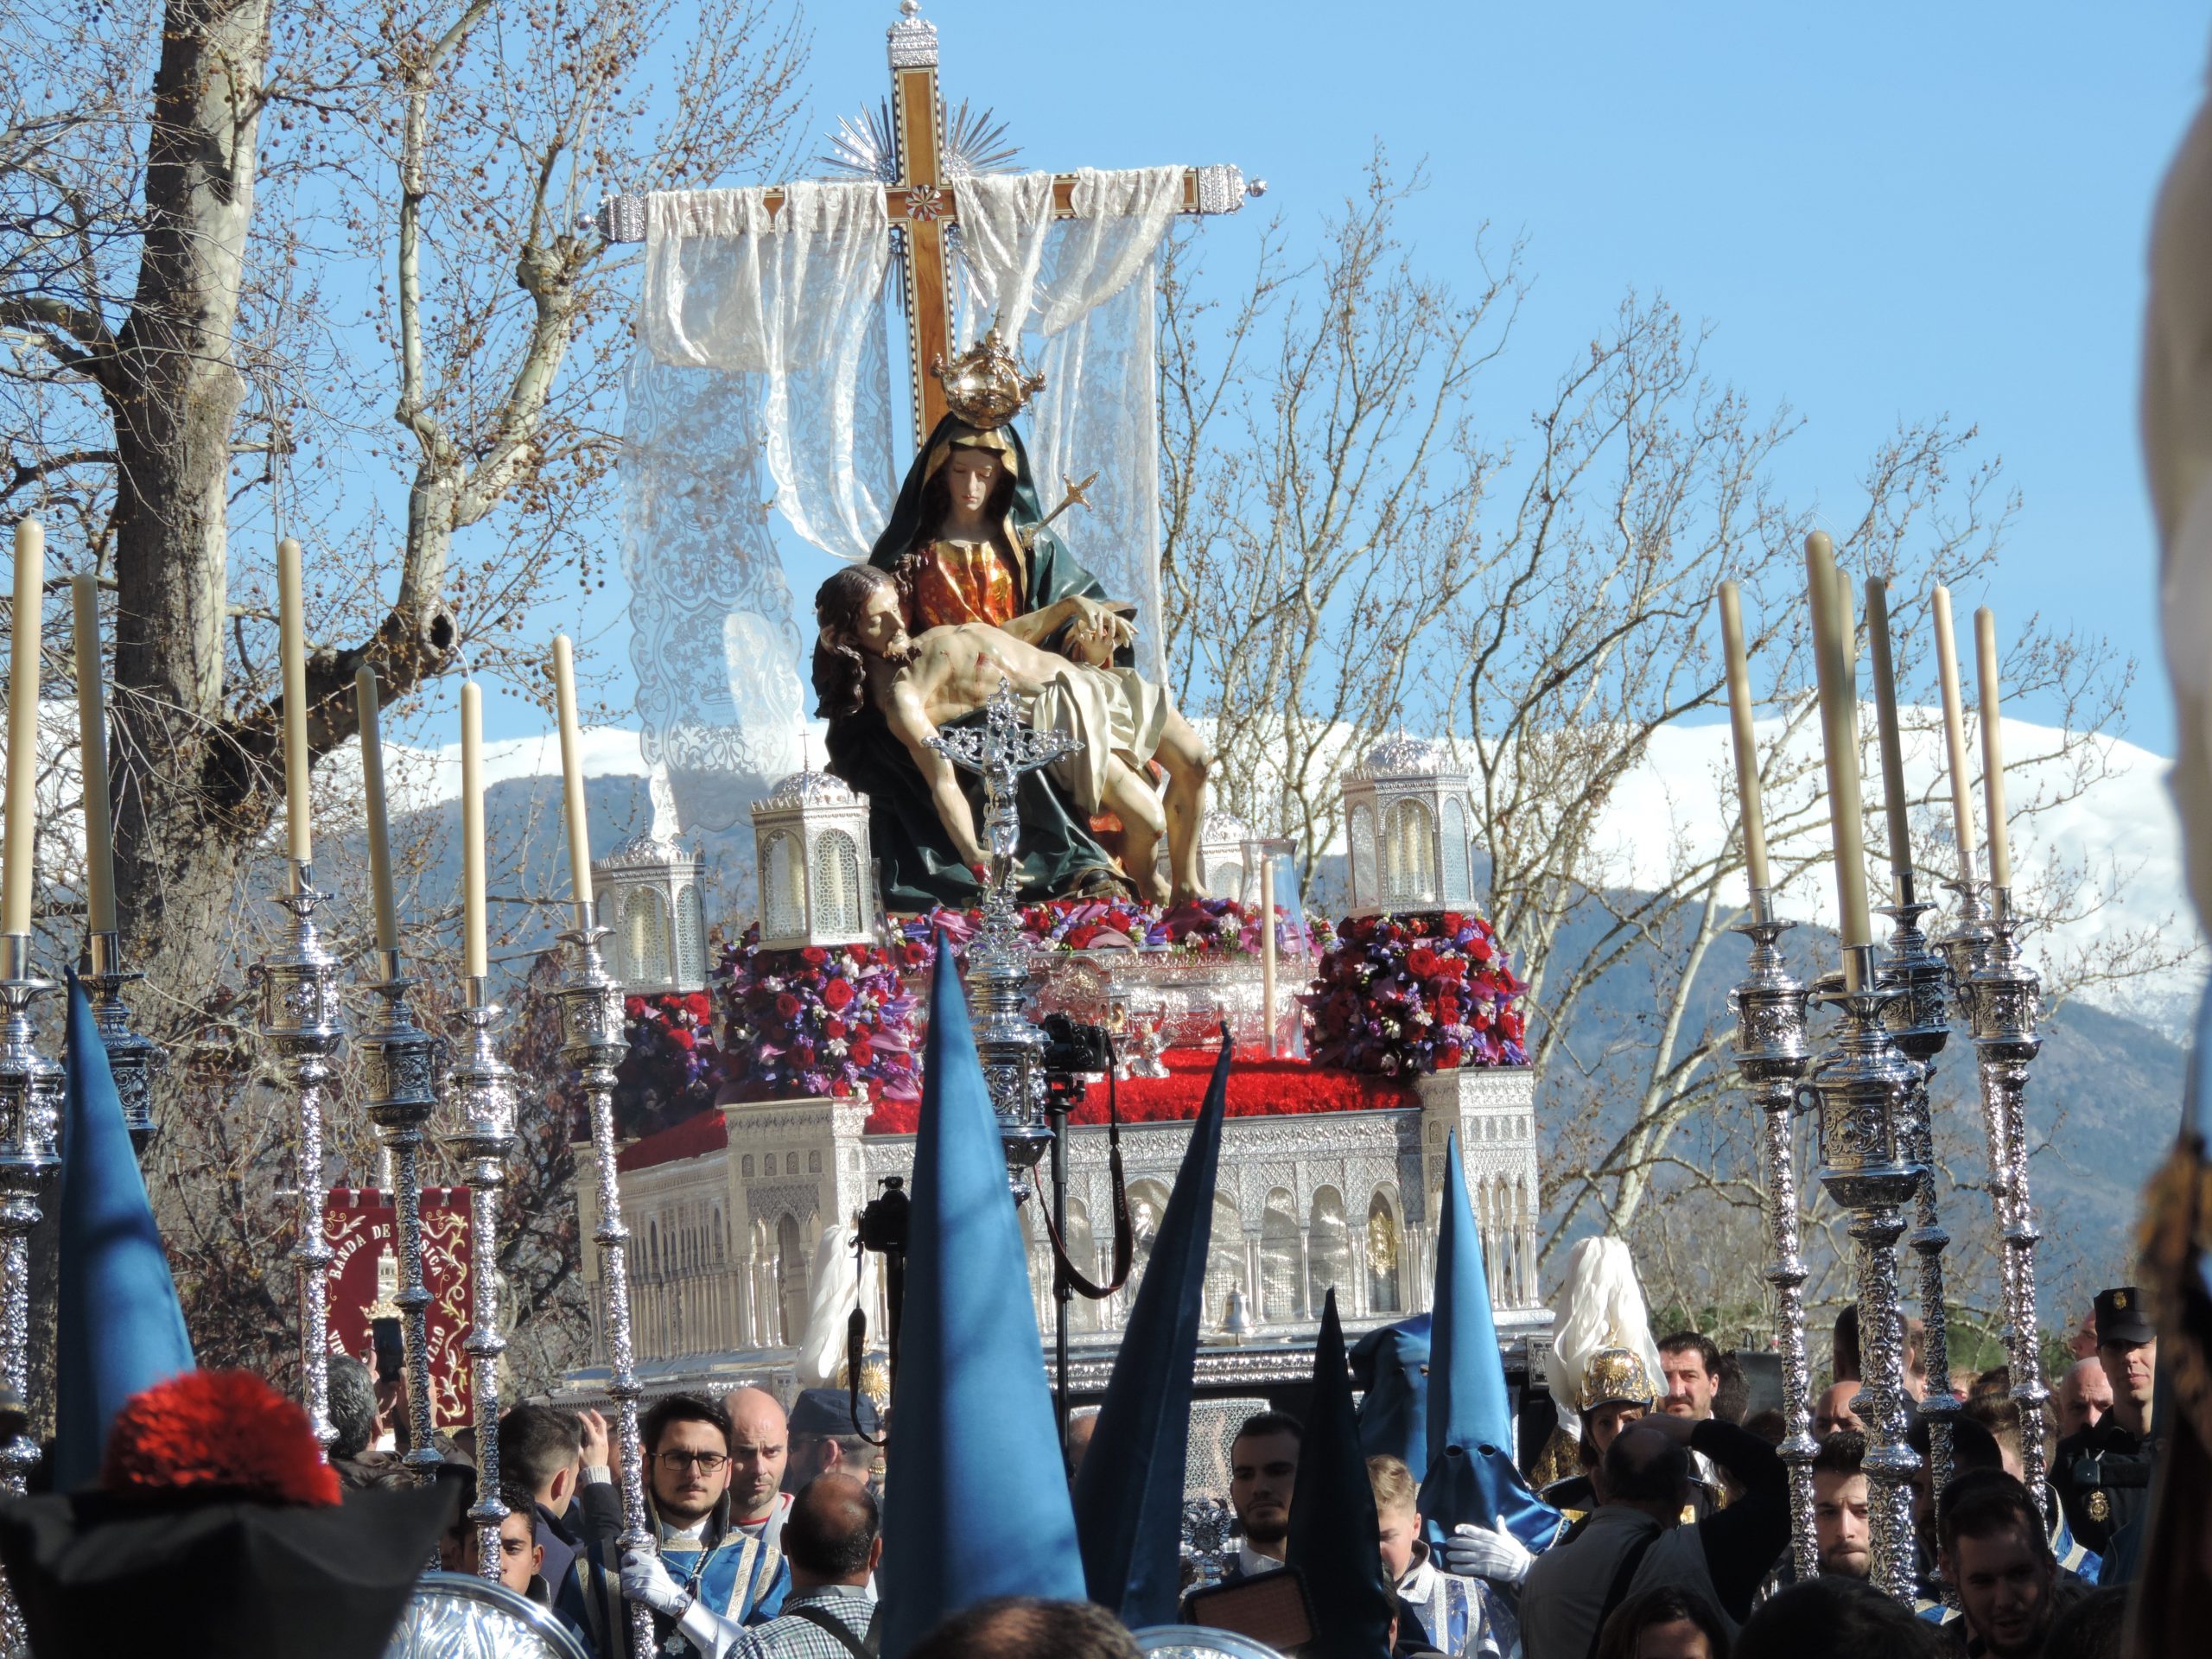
(910, 722)
(1101, 627)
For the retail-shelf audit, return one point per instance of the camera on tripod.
(882, 1221)
(1073, 1053)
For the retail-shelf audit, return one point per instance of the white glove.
(644, 1578)
(1488, 1553)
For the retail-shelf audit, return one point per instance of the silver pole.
(299, 1020)
(2002, 998)
(483, 1087)
(1917, 1020)
(131, 1057)
(591, 1028)
(31, 1091)
(1862, 1082)
(399, 1066)
(1771, 1058)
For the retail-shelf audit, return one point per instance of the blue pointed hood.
(1336, 1539)
(978, 1506)
(1471, 1477)
(1128, 1497)
(1390, 1366)
(119, 1328)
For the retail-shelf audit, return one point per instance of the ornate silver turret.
(483, 1087)
(132, 1058)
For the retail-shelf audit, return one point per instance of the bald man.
(2084, 1396)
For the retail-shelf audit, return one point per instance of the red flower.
(699, 1006)
(787, 1006)
(1478, 948)
(862, 1052)
(833, 1026)
(634, 1006)
(838, 992)
(1447, 1010)
(681, 1038)
(802, 1055)
(1450, 1055)
(814, 955)
(1422, 961)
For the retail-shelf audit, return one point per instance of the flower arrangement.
(1195, 927)
(1406, 994)
(673, 1068)
(820, 1021)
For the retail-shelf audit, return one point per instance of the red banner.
(363, 1230)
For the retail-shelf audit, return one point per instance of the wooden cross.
(922, 198)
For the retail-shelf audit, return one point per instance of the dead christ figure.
(866, 658)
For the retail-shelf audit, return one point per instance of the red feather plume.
(225, 1434)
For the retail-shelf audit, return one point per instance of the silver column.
(1771, 1056)
(483, 1088)
(2005, 994)
(132, 1058)
(301, 1021)
(1917, 1020)
(591, 1028)
(31, 1090)
(399, 1074)
(1862, 1082)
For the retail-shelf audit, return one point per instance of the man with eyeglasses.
(712, 1473)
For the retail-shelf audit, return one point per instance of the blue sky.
(1884, 212)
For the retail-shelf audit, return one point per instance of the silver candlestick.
(31, 1091)
(2004, 995)
(484, 1099)
(1010, 1044)
(1771, 1056)
(300, 1019)
(132, 1058)
(399, 1074)
(1916, 1020)
(1862, 1082)
(592, 1042)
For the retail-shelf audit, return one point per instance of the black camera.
(883, 1220)
(1074, 1048)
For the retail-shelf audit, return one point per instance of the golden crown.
(1615, 1373)
(985, 385)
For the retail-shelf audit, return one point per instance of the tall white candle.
(1741, 734)
(1955, 735)
(1268, 969)
(365, 713)
(1889, 732)
(292, 645)
(472, 829)
(1840, 740)
(18, 848)
(91, 741)
(1992, 747)
(572, 772)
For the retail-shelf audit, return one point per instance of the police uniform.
(2102, 1475)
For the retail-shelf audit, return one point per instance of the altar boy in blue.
(719, 1565)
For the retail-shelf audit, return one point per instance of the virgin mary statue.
(1008, 568)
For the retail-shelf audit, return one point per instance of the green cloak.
(1059, 857)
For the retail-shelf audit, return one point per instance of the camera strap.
(855, 1347)
(1124, 1233)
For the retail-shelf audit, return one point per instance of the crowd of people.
(1672, 1544)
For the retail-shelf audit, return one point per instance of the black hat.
(2121, 1317)
(830, 1411)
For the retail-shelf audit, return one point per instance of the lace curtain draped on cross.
(1081, 291)
(762, 377)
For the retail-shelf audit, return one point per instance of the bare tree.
(1322, 483)
(1346, 553)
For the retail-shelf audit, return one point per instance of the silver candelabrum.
(483, 1087)
(131, 1057)
(2003, 995)
(299, 1020)
(1862, 1082)
(399, 1074)
(1008, 1044)
(31, 1090)
(1771, 1058)
(592, 1042)
(1917, 1022)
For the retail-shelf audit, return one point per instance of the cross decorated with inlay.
(920, 160)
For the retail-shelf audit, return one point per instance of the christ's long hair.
(839, 670)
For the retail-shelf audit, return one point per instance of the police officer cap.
(2121, 1318)
(830, 1411)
